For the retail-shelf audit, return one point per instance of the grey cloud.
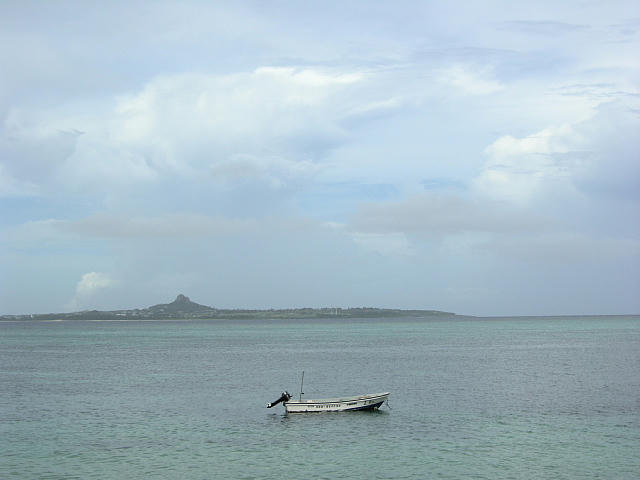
(565, 248)
(599, 91)
(162, 227)
(271, 172)
(34, 157)
(445, 214)
(542, 27)
(612, 168)
(168, 226)
(625, 32)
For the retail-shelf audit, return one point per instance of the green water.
(500, 398)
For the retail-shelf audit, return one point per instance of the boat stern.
(286, 396)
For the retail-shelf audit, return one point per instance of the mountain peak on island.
(182, 299)
(182, 304)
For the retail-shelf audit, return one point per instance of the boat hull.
(343, 404)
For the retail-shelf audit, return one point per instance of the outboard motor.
(286, 396)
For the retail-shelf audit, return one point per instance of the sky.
(481, 158)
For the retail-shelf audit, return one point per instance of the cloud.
(195, 118)
(564, 194)
(377, 109)
(443, 214)
(596, 155)
(626, 31)
(92, 282)
(598, 91)
(543, 27)
(274, 172)
(470, 81)
(565, 248)
(271, 124)
(395, 243)
(517, 169)
(123, 228)
(179, 225)
(30, 155)
(88, 288)
(57, 233)
(11, 187)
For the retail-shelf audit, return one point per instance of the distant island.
(183, 308)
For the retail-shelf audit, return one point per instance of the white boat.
(371, 401)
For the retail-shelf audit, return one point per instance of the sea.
(476, 398)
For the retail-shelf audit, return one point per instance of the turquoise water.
(501, 398)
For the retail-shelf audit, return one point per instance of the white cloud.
(566, 161)
(518, 169)
(377, 108)
(274, 121)
(91, 282)
(88, 288)
(237, 113)
(469, 80)
(307, 78)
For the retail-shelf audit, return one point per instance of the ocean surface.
(481, 398)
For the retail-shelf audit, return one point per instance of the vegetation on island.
(183, 308)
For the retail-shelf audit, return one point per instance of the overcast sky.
(475, 157)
